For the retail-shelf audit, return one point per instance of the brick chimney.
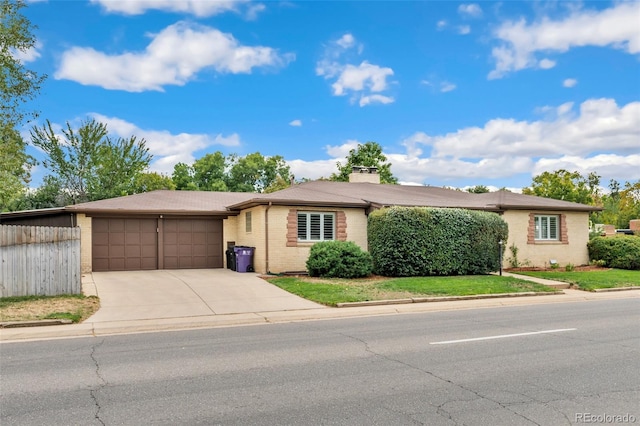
(362, 174)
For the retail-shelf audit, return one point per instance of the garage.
(132, 244)
(124, 244)
(192, 243)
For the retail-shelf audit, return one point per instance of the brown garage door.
(192, 243)
(124, 244)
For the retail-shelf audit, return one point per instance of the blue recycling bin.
(244, 258)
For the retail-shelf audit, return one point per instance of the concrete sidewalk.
(102, 328)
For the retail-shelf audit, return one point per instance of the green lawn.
(333, 291)
(592, 280)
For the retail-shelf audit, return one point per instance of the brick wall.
(84, 223)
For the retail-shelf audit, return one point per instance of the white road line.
(503, 336)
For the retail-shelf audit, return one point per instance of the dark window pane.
(302, 226)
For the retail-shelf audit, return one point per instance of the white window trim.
(542, 223)
(322, 215)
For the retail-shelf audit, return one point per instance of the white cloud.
(616, 27)
(596, 136)
(445, 86)
(167, 149)
(253, 10)
(506, 147)
(441, 25)
(464, 29)
(611, 166)
(28, 55)
(363, 77)
(362, 82)
(174, 56)
(341, 151)
(197, 8)
(441, 86)
(295, 123)
(570, 82)
(546, 64)
(312, 169)
(346, 41)
(323, 168)
(472, 10)
(375, 99)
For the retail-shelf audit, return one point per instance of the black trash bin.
(231, 259)
(244, 258)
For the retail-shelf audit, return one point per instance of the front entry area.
(133, 244)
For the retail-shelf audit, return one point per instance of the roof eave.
(304, 203)
(580, 208)
(111, 212)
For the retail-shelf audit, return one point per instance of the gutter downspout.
(266, 237)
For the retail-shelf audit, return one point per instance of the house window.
(547, 227)
(314, 226)
(247, 221)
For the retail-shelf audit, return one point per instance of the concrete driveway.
(142, 295)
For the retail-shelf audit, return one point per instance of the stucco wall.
(84, 223)
(539, 253)
(284, 258)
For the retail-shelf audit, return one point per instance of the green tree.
(18, 84)
(15, 166)
(152, 181)
(182, 177)
(87, 164)
(610, 204)
(478, 189)
(278, 184)
(565, 185)
(368, 154)
(256, 173)
(48, 194)
(209, 172)
(629, 205)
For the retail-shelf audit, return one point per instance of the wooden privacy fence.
(39, 260)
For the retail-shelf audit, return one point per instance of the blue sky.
(456, 93)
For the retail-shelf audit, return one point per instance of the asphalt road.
(568, 363)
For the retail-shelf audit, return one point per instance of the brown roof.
(166, 202)
(320, 194)
(326, 193)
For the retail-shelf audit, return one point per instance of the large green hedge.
(338, 259)
(620, 251)
(417, 241)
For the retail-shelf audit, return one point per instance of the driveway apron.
(160, 294)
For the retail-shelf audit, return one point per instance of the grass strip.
(333, 291)
(591, 280)
(74, 307)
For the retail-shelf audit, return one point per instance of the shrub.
(338, 259)
(418, 241)
(621, 251)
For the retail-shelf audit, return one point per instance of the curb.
(604, 290)
(35, 323)
(94, 329)
(444, 298)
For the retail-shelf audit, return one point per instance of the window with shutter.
(547, 227)
(316, 226)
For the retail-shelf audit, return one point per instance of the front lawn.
(333, 291)
(74, 307)
(591, 280)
